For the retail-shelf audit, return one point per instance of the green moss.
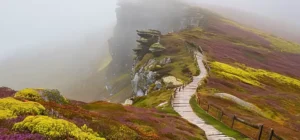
(157, 46)
(103, 106)
(145, 59)
(11, 108)
(29, 94)
(55, 128)
(255, 77)
(234, 73)
(179, 68)
(212, 121)
(153, 99)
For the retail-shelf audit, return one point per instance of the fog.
(287, 11)
(51, 43)
(279, 17)
(56, 43)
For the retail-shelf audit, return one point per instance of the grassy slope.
(275, 88)
(212, 121)
(182, 66)
(111, 121)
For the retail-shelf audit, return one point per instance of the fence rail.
(259, 127)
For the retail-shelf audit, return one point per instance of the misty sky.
(31, 23)
(285, 10)
(26, 24)
(78, 30)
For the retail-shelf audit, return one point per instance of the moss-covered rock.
(172, 81)
(148, 38)
(56, 128)
(157, 49)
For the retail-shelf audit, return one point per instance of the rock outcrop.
(168, 16)
(172, 82)
(148, 42)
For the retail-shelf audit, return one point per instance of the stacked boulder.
(148, 42)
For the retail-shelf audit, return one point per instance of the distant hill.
(280, 28)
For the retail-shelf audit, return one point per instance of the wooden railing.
(259, 127)
(173, 96)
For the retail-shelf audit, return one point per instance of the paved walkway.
(182, 105)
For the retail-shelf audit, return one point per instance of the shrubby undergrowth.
(11, 108)
(255, 77)
(56, 128)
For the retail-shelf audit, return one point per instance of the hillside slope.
(254, 75)
(256, 67)
(50, 116)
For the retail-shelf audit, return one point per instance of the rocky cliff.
(163, 15)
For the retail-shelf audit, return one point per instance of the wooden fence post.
(271, 134)
(208, 108)
(261, 127)
(221, 115)
(233, 119)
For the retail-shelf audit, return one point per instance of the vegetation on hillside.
(255, 77)
(278, 44)
(11, 108)
(256, 67)
(48, 95)
(274, 93)
(97, 120)
(55, 128)
(214, 122)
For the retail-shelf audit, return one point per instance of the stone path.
(181, 104)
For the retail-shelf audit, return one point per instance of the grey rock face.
(158, 85)
(144, 78)
(165, 61)
(135, 82)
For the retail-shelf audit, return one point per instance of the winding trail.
(181, 105)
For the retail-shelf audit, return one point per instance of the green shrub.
(7, 114)
(122, 132)
(11, 108)
(48, 95)
(53, 95)
(29, 94)
(56, 128)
